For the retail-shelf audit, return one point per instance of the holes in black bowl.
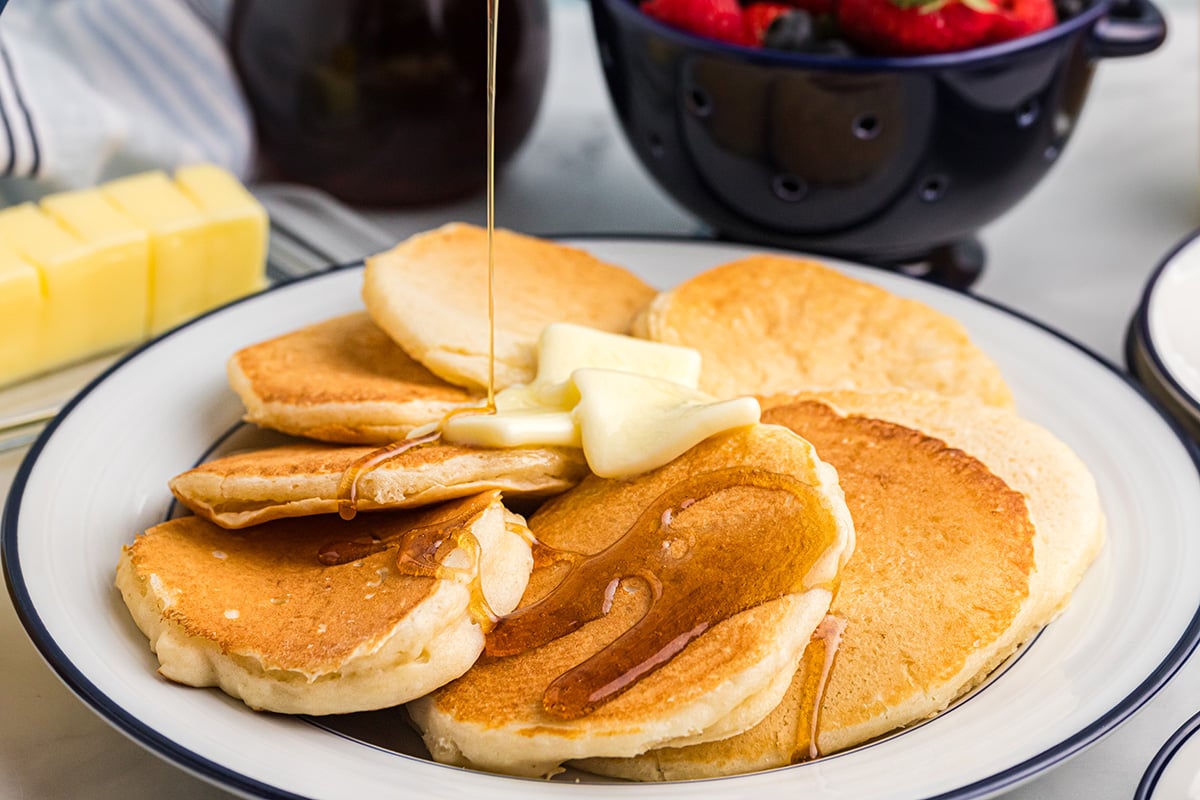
(865, 126)
(1028, 112)
(933, 188)
(657, 148)
(789, 188)
(698, 102)
(1051, 152)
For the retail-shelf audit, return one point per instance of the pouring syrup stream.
(348, 486)
(493, 15)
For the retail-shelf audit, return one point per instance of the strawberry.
(757, 17)
(915, 27)
(1016, 18)
(715, 19)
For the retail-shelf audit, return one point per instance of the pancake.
(1060, 491)
(259, 615)
(430, 294)
(518, 711)
(342, 380)
(953, 570)
(301, 479)
(769, 324)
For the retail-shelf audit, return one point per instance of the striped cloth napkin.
(95, 89)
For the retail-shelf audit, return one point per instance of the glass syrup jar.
(383, 102)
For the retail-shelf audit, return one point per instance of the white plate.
(99, 474)
(1174, 772)
(27, 406)
(1163, 346)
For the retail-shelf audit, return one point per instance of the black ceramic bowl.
(890, 161)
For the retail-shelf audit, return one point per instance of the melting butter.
(633, 423)
(514, 428)
(631, 405)
(564, 347)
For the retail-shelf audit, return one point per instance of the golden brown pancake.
(260, 615)
(504, 714)
(1060, 491)
(342, 380)
(949, 575)
(430, 294)
(769, 323)
(302, 479)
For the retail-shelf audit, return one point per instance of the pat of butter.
(539, 413)
(88, 310)
(21, 309)
(514, 429)
(631, 405)
(633, 423)
(237, 231)
(565, 347)
(179, 258)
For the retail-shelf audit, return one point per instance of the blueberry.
(792, 30)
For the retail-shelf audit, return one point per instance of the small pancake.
(301, 479)
(954, 569)
(499, 715)
(430, 293)
(769, 324)
(342, 380)
(258, 614)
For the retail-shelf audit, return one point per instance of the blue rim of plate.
(1158, 764)
(219, 775)
(1140, 338)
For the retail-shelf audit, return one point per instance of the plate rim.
(1141, 324)
(1166, 753)
(229, 779)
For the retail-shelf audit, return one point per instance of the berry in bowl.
(884, 131)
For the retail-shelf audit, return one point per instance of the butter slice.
(22, 307)
(565, 347)
(88, 214)
(237, 231)
(632, 405)
(88, 310)
(178, 228)
(634, 423)
(514, 429)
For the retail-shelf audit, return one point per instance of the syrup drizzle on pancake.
(696, 580)
(815, 667)
(348, 485)
(421, 552)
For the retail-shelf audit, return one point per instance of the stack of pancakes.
(890, 533)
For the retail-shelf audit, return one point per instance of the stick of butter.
(87, 310)
(237, 231)
(96, 270)
(21, 310)
(178, 230)
(103, 229)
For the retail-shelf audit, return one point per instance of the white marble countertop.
(1074, 254)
